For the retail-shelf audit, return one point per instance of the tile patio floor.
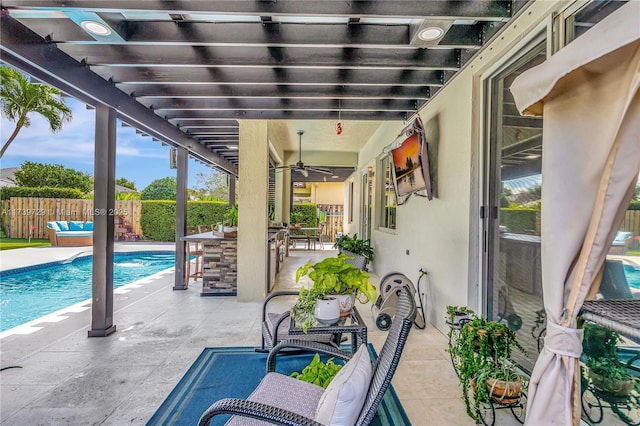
(67, 378)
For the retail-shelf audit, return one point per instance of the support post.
(253, 219)
(103, 232)
(181, 217)
(232, 190)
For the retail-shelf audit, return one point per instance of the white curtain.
(589, 95)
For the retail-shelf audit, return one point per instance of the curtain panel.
(588, 94)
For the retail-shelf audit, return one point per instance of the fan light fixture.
(96, 28)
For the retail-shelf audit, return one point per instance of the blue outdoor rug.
(234, 373)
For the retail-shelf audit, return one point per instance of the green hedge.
(307, 212)
(634, 205)
(6, 192)
(158, 218)
(519, 221)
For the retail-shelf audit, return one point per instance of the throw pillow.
(342, 401)
(75, 225)
(88, 226)
(53, 225)
(62, 225)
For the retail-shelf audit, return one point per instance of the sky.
(138, 158)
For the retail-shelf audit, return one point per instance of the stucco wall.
(329, 193)
(442, 236)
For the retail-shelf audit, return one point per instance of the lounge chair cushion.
(67, 234)
(76, 225)
(343, 399)
(283, 392)
(64, 226)
(53, 225)
(621, 238)
(88, 226)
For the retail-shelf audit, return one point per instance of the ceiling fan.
(299, 166)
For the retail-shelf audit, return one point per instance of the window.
(513, 285)
(350, 201)
(590, 14)
(388, 195)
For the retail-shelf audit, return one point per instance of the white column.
(253, 185)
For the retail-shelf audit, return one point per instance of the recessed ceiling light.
(335, 177)
(96, 28)
(430, 33)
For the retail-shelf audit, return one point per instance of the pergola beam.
(266, 57)
(478, 10)
(214, 75)
(311, 91)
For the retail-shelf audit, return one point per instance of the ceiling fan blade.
(304, 172)
(317, 170)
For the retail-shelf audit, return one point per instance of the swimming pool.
(633, 276)
(31, 292)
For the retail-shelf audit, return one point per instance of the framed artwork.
(411, 163)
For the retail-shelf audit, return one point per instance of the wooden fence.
(20, 213)
(334, 217)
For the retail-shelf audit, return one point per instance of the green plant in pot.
(354, 245)
(484, 350)
(318, 372)
(231, 217)
(331, 276)
(606, 372)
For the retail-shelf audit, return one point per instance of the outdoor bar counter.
(219, 263)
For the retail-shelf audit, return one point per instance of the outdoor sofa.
(70, 233)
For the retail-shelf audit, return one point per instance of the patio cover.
(590, 163)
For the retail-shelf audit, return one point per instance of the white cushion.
(342, 401)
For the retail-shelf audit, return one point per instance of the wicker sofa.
(70, 233)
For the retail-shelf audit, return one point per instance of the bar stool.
(194, 248)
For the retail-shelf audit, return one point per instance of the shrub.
(518, 220)
(306, 212)
(7, 192)
(158, 217)
(158, 220)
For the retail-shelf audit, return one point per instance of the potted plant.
(484, 351)
(231, 219)
(605, 370)
(354, 246)
(610, 376)
(331, 276)
(318, 372)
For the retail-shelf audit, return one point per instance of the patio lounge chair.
(285, 400)
(620, 243)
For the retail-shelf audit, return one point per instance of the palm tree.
(20, 97)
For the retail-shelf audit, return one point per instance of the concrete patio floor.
(66, 378)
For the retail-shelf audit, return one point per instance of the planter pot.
(459, 316)
(612, 386)
(229, 228)
(327, 310)
(504, 392)
(346, 302)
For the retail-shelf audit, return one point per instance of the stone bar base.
(220, 267)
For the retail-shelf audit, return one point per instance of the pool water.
(29, 294)
(633, 276)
